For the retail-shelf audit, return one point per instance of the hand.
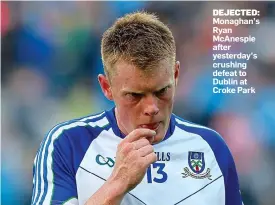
(134, 155)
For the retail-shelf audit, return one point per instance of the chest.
(181, 176)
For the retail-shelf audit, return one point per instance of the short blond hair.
(139, 38)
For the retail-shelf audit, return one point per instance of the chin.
(158, 138)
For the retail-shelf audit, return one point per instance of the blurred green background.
(50, 59)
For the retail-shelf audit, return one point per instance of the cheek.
(171, 100)
(127, 114)
(167, 103)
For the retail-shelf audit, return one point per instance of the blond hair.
(138, 38)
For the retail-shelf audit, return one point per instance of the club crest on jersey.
(196, 163)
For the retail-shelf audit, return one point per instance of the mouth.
(151, 126)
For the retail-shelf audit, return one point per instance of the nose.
(151, 105)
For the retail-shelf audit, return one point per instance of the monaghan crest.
(196, 164)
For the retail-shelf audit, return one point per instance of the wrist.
(116, 189)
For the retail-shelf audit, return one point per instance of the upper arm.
(232, 188)
(53, 175)
(229, 171)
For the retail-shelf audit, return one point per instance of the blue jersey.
(194, 165)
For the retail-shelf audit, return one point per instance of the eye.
(162, 92)
(133, 96)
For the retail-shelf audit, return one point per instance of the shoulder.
(68, 141)
(212, 137)
(75, 129)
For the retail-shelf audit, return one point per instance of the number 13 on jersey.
(159, 177)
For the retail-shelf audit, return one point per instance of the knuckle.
(134, 155)
(146, 141)
(135, 132)
(121, 144)
(151, 148)
(126, 148)
(154, 157)
(129, 147)
(142, 142)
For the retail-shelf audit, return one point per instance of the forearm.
(111, 193)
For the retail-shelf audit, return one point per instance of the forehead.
(129, 77)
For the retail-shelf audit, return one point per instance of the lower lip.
(155, 127)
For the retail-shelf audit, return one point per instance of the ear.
(105, 86)
(177, 72)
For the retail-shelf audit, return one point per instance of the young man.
(138, 152)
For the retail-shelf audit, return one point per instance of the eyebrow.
(141, 93)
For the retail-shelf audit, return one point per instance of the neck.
(120, 126)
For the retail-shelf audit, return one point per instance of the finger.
(150, 158)
(150, 139)
(139, 133)
(141, 143)
(144, 151)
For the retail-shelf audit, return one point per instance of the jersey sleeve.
(232, 188)
(228, 168)
(53, 174)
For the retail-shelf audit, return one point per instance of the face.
(144, 99)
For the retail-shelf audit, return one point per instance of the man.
(138, 152)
